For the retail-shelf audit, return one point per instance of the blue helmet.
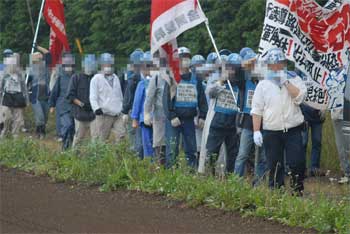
(212, 57)
(235, 59)
(106, 58)
(7, 52)
(225, 52)
(135, 57)
(197, 60)
(146, 57)
(249, 55)
(274, 56)
(223, 58)
(244, 51)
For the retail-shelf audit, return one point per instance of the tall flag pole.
(37, 26)
(217, 51)
(36, 31)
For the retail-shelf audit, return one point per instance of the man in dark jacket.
(180, 103)
(133, 78)
(314, 120)
(78, 95)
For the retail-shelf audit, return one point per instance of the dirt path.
(32, 204)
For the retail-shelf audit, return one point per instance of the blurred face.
(185, 63)
(146, 68)
(11, 64)
(68, 68)
(89, 69)
(107, 69)
(277, 67)
(230, 71)
(136, 68)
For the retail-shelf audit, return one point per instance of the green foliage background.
(120, 26)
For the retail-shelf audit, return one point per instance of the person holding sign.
(180, 107)
(223, 126)
(276, 103)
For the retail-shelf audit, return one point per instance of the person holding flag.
(180, 107)
(38, 87)
(223, 125)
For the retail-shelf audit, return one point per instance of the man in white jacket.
(276, 103)
(106, 100)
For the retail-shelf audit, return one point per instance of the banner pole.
(36, 32)
(217, 51)
(38, 25)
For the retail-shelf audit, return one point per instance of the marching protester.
(212, 74)
(245, 121)
(197, 63)
(38, 88)
(180, 104)
(13, 95)
(133, 78)
(137, 113)
(106, 99)
(59, 103)
(153, 110)
(3, 109)
(223, 127)
(341, 125)
(78, 95)
(276, 109)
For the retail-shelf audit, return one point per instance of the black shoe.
(316, 172)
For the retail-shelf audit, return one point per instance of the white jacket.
(278, 109)
(104, 96)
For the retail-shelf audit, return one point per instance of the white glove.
(147, 119)
(125, 118)
(283, 79)
(258, 139)
(200, 124)
(175, 122)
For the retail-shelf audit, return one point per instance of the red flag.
(54, 16)
(170, 49)
(170, 18)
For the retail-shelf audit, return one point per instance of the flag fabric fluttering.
(170, 18)
(54, 16)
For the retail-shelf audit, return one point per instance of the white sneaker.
(59, 139)
(344, 180)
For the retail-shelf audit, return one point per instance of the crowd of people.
(224, 112)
